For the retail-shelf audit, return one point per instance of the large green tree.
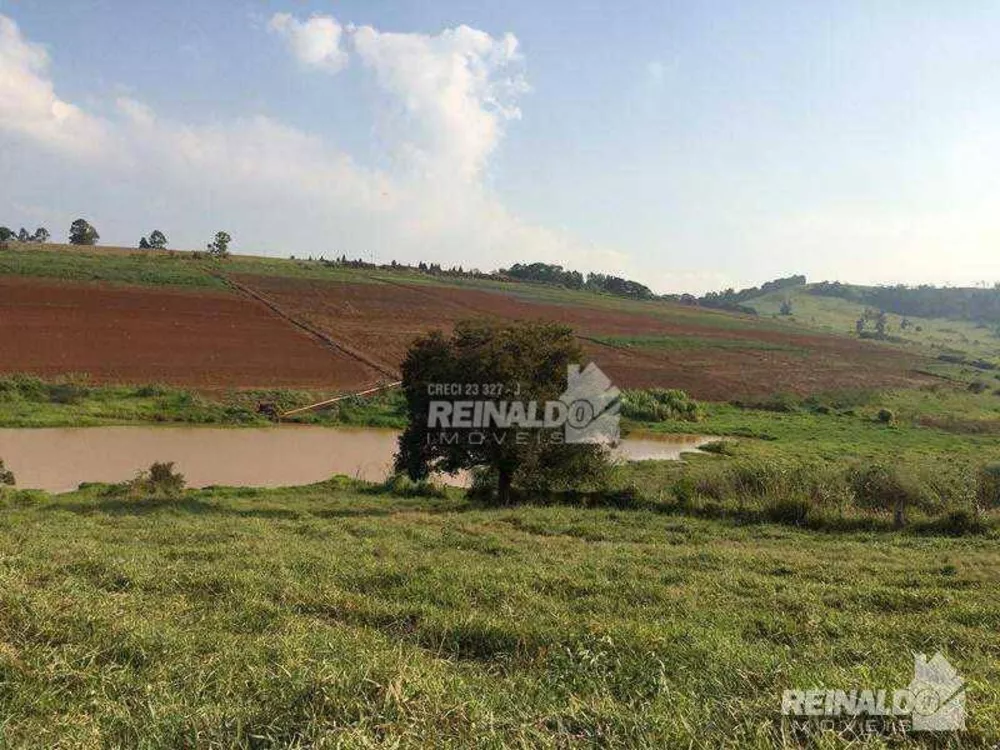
(81, 232)
(481, 361)
(219, 247)
(157, 239)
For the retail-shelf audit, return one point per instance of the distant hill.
(954, 303)
(947, 322)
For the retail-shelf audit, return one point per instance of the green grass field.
(327, 616)
(834, 315)
(125, 268)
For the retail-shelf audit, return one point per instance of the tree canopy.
(480, 362)
(157, 239)
(81, 232)
(546, 273)
(219, 247)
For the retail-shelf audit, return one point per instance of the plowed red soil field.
(132, 334)
(381, 319)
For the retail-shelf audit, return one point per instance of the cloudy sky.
(690, 145)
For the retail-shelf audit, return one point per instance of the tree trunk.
(503, 486)
(899, 514)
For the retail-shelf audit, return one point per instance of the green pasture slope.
(336, 616)
(834, 315)
(63, 263)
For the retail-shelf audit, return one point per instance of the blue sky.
(691, 145)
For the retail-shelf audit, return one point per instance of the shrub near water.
(400, 485)
(159, 481)
(658, 405)
(6, 476)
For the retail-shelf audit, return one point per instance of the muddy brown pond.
(59, 459)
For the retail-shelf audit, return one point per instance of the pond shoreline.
(59, 459)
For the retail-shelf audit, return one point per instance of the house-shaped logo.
(938, 695)
(593, 406)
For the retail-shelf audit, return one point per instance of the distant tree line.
(541, 273)
(925, 301)
(82, 232)
(733, 300)
(40, 235)
(546, 273)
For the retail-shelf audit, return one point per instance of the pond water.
(59, 459)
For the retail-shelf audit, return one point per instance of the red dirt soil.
(382, 319)
(129, 334)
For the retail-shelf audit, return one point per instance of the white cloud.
(279, 189)
(29, 106)
(315, 42)
(457, 88)
(451, 92)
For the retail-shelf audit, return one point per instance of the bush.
(977, 386)
(792, 511)
(719, 447)
(960, 522)
(886, 416)
(987, 487)
(884, 488)
(67, 393)
(6, 476)
(150, 391)
(401, 485)
(658, 405)
(160, 480)
(752, 479)
(685, 490)
(26, 387)
(783, 403)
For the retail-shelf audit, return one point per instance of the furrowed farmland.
(202, 338)
(127, 318)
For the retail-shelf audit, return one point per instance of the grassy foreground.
(330, 616)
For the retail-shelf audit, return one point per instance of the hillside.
(129, 316)
(932, 336)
